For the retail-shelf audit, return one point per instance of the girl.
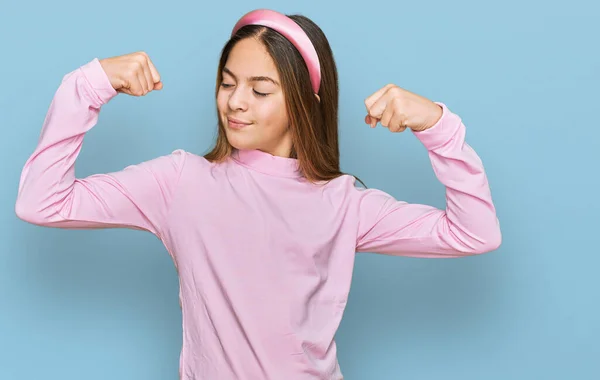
(263, 229)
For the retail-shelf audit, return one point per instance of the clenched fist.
(132, 74)
(397, 109)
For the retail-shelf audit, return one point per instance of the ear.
(318, 98)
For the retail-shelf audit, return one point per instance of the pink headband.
(290, 30)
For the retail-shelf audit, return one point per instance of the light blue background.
(523, 76)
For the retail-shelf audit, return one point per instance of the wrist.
(437, 112)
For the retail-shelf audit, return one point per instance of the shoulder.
(351, 189)
(351, 185)
(355, 201)
(359, 197)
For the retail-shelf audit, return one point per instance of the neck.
(265, 162)
(283, 148)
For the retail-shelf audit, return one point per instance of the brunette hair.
(313, 122)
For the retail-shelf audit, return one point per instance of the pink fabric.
(290, 30)
(264, 257)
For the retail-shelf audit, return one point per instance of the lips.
(237, 124)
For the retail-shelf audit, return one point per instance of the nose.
(237, 99)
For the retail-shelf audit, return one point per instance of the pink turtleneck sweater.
(264, 257)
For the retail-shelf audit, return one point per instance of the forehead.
(249, 57)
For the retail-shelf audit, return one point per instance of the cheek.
(273, 114)
(221, 102)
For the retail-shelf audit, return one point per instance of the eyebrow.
(253, 79)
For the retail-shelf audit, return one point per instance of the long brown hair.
(313, 123)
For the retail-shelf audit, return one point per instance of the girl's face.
(251, 102)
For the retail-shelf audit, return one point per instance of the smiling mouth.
(236, 124)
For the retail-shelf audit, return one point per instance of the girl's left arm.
(467, 226)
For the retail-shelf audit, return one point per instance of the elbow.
(468, 242)
(490, 246)
(491, 243)
(30, 212)
(39, 206)
(26, 213)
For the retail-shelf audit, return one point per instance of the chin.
(240, 142)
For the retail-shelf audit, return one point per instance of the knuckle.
(134, 67)
(136, 63)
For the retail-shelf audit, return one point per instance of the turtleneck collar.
(267, 163)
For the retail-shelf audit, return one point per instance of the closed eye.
(257, 93)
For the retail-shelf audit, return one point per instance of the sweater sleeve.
(50, 195)
(467, 226)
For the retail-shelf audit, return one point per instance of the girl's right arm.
(49, 193)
